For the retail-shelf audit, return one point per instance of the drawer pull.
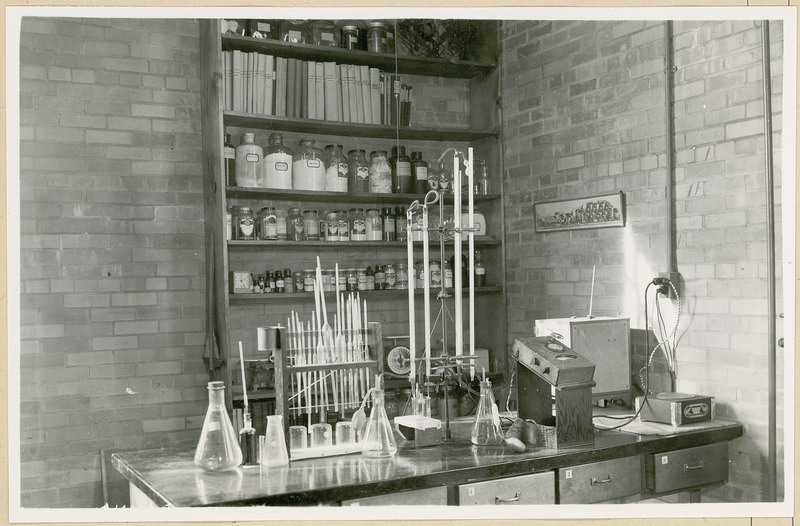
(602, 481)
(687, 467)
(499, 500)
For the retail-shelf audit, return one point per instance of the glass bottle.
(370, 279)
(402, 276)
(481, 175)
(380, 278)
(267, 224)
(280, 284)
(274, 451)
(376, 37)
(229, 154)
(387, 216)
(324, 33)
(288, 280)
(357, 171)
(294, 31)
(448, 275)
(400, 223)
(295, 225)
(272, 285)
(358, 225)
(335, 169)
(245, 224)
(480, 271)
(445, 180)
(218, 447)
(311, 224)
(419, 172)
(436, 275)
(308, 172)
(349, 39)
(486, 426)
(248, 442)
(378, 440)
(380, 173)
(248, 160)
(433, 176)
(332, 226)
(391, 276)
(344, 225)
(352, 280)
(277, 164)
(388, 37)
(374, 225)
(280, 223)
(263, 29)
(401, 172)
(362, 278)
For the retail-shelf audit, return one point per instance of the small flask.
(229, 154)
(288, 281)
(218, 448)
(378, 440)
(486, 429)
(280, 284)
(274, 451)
(480, 271)
(380, 278)
(248, 161)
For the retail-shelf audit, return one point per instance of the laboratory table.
(167, 476)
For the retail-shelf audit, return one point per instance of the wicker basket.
(539, 435)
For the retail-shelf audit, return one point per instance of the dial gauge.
(399, 360)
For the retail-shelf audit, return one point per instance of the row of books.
(287, 87)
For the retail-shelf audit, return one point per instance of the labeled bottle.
(335, 169)
(357, 171)
(380, 173)
(295, 31)
(308, 280)
(361, 275)
(436, 275)
(369, 276)
(376, 37)
(308, 168)
(245, 224)
(390, 276)
(344, 225)
(248, 161)
(380, 278)
(332, 226)
(324, 33)
(480, 271)
(280, 284)
(280, 223)
(229, 155)
(218, 448)
(277, 164)
(448, 275)
(295, 225)
(419, 170)
(374, 225)
(288, 281)
(350, 39)
(389, 233)
(402, 276)
(272, 282)
(352, 280)
(264, 29)
(400, 224)
(311, 224)
(267, 224)
(358, 225)
(401, 172)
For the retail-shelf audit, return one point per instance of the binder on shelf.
(311, 88)
(351, 91)
(339, 110)
(345, 91)
(375, 95)
(359, 98)
(269, 85)
(251, 69)
(304, 89)
(236, 81)
(291, 86)
(366, 97)
(258, 106)
(331, 100)
(298, 88)
(319, 97)
(227, 79)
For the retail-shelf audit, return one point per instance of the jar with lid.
(357, 171)
(481, 176)
(391, 276)
(400, 223)
(376, 37)
(374, 225)
(370, 279)
(248, 161)
(344, 225)
(351, 39)
(229, 154)
(295, 31)
(402, 276)
(358, 225)
(436, 274)
(311, 224)
(332, 226)
(277, 164)
(308, 280)
(299, 281)
(245, 224)
(380, 173)
(295, 226)
(267, 224)
(352, 280)
(361, 274)
(419, 173)
(308, 172)
(389, 233)
(380, 278)
(280, 223)
(335, 169)
(324, 33)
(401, 171)
(263, 29)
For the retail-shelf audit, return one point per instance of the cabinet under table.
(618, 464)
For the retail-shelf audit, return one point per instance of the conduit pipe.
(771, 308)
(672, 259)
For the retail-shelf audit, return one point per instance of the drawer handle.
(687, 467)
(499, 500)
(602, 481)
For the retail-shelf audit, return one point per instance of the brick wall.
(583, 106)
(112, 268)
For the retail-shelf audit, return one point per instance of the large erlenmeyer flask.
(378, 438)
(218, 448)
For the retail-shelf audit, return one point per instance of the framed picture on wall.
(583, 212)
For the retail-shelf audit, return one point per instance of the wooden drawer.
(599, 481)
(424, 497)
(686, 468)
(537, 488)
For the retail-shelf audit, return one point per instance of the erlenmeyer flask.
(378, 438)
(274, 452)
(486, 428)
(218, 448)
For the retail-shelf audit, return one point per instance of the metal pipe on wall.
(771, 309)
(672, 259)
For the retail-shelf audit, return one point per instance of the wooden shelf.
(388, 62)
(249, 299)
(240, 192)
(480, 241)
(256, 396)
(347, 129)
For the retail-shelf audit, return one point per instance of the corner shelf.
(252, 299)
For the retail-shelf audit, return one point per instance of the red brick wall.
(111, 247)
(583, 106)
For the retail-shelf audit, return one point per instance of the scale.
(398, 359)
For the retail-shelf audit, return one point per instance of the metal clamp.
(603, 481)
(687, 467)
(515, 498)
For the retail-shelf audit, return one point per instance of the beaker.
(378, 438)
(345, 433)
(218, 447)
(321, 435)
(486, 427)
(298, 438)
(274, 452)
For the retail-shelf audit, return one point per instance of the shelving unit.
(231, 312)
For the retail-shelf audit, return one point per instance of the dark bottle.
(419, 170)
(288, 280)
(261, 285)
(401, 172)
(393, 165)
(389, 233)
(380, 278)
(270, 282)
(279, 283)
(480, 271)
(370, 279)
(229, 154)
(400, 223)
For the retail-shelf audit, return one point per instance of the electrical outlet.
(676, 280)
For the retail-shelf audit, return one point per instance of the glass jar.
(361, 276)
(448, 275)
(350, 37)
(311, 225)
(387, 216)
(328, 280)
(402, 276)
(335, 169)
(245, 224)
(419, 173)
(295, 226)
(376, 37)
(263, 29)
(288, 280)
(370, 279)
(357, 171)
(380, 278)
(277, 164)
(267, 224)
(332, 226)
(308, 172)
(420, 274)
(352, 280)
(391, 276)
(324, 33)
(299, 281)
(308, 280)
(229, 223)
(280, 283)
(380, 173)
(295, 31)
(358, 225)
(248, 160)
(436, 274)
(400, 223)
(401, 172)
(280, 223)
(344, 225)
(374, 225)
(342, 279)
